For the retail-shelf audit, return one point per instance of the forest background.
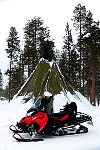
(78, 59)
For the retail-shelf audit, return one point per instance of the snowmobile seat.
(69, 118)
(71, 108)
(60, 116)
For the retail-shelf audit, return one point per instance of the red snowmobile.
(67, 121)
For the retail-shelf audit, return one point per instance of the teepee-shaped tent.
(45, 77)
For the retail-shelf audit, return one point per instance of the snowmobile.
(38, 122)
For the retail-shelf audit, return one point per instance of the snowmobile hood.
(39, 118)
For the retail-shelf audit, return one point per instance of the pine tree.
(68, 47)
(79, 22)
(86, 55)
(92, 47)
(13, 44)
(74, 71)
(47, 50)
(13, 51)
(35, 34)
(69, 58)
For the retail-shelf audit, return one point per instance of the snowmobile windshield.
(38, 103)
(35, 106)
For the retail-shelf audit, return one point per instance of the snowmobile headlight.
(29, 114)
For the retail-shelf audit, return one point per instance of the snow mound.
(12, 112)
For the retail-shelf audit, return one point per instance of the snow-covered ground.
(12, 112)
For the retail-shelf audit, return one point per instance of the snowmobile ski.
(19, 138)
(14, 129)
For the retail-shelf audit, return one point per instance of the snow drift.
(12, 112)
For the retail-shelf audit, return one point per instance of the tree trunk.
(93, 86)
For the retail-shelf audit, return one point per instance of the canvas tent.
(45, 77)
